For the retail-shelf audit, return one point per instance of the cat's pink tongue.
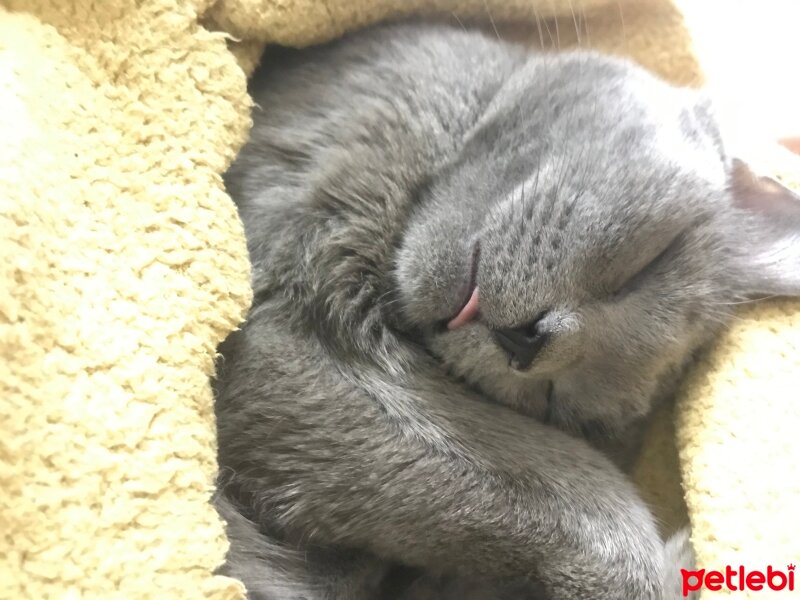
(469, 312)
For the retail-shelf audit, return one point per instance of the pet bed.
(124, 265)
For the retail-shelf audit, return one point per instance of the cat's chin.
(524, 391)
(521, 392)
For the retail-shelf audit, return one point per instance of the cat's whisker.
(491, 20)
(549, 33)
(575, 22)
(458, 19)
(564, 170)
(539, 27)
(392, 302)
(746, 301)
(385, 294)
(723, 317)
(622, 25)
(586, 36)
(558, 34)
(538, 171)
(593, 138)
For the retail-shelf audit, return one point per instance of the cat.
(476, 270)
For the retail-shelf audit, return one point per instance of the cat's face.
(591, 235)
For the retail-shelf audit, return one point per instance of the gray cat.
(476, 272)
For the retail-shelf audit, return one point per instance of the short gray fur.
(356, 432)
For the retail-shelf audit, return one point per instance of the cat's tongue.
(466, 314)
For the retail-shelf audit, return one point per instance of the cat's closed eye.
(640, 276)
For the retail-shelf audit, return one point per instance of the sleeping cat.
(476, 272)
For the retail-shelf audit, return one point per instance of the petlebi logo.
(739, 579)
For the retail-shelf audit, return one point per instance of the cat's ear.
(770, 237)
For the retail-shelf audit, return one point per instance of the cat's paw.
(678, 554)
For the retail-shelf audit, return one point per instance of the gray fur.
(355, 429)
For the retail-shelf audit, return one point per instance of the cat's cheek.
(469, 352)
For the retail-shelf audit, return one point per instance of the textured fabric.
(124, 265)
(739, 412)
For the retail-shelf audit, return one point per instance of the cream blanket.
(124, 266)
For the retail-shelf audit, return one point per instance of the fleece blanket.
(124, 265)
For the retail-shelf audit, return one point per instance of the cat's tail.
(268, 570)
(678, 557)
(271, 570)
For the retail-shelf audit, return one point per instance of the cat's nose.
(523, 343)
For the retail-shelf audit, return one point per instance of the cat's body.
(391, 176)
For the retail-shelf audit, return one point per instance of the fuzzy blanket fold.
(125, 265)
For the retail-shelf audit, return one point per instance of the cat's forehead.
(614, 209)
(611, 176)
(603, 120)
(618, 142)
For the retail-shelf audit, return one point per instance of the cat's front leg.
(418, 470)
(588, 533)
(274, 570)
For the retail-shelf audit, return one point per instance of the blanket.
(125, 265)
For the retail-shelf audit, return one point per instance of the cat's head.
(592, 233)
